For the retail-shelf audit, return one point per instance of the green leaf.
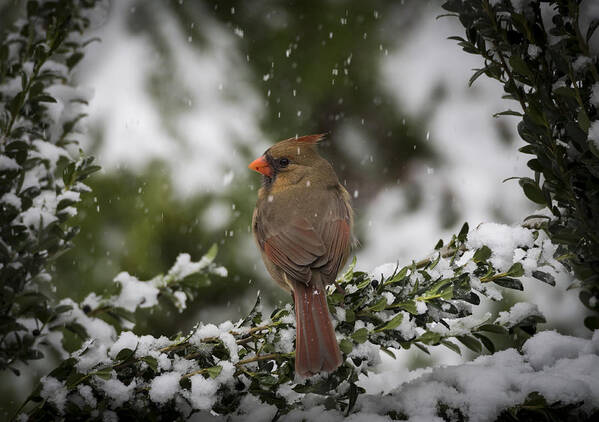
(482, 254)
(508, 113)
(429, 337)
(350, 315)
(463, 234)
(470, 342)
(363, 284)
(586, 297)
(74, 59)
(211, 254)
(391, 324)
(451, 345)
(152, 362)
(592, 323)
(564, 91)
(476, 75)
(583, 120)
(360, 336)
(379, 306)
(214, 371)
(78, 329)
(516, 270)
(349, 274)
(44, 99)
(528, 149)
(486, 342)
(346, 346)
(409, 306)
(104, 373)
(389, 352)
(399, 276)
(62, 309)
(535, 165)
(532, 190)
(592, 27)
(493, 328)
(520, 66)
(544, 277)
(124, 354)
(509, 283)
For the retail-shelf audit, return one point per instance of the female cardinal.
(302, 224)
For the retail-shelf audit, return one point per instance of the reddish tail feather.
(316, 348)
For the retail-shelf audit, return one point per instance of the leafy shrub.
(41, 169)
(213, 368)
(540, 52)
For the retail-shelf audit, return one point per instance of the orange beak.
(261, 166)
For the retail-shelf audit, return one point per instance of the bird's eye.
(283, 162)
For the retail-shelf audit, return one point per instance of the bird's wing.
(298, 247)
(335, 232)
(294, 248)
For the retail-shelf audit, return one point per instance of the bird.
(302, 225)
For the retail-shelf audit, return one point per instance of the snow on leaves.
(41, 168)
(248, 366)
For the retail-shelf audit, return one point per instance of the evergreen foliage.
(41, 169)
(539, 51)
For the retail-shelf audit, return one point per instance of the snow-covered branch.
(227, 369)
(41, 167)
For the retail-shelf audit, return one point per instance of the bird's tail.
(316, 347)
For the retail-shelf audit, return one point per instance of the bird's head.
(292, 161)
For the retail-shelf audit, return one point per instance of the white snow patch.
(54, 391)
(7, 163)
(164, 387)
(135, 293)
(127, 340)
(517, 314)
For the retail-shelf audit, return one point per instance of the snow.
(184, 267)
(220, 271)
(517, 313)
(502, 240)
(561, 368)
(7, 163)
(118, 392)
(547, 347)
(48, 152)
(581, 63)
(87, 394)
(534, 51)
(520, 5)
(164, 387)
(202, 395)
(383, 271)
(126, 340)
(214, 121)
(11, 199)
(202, 332)
(135, 293)
(594, 133)
(595, 94)
(421, 307)
(54, 391)
(69, 195)
(181, 298)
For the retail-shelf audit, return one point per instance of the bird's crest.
(309, 139)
